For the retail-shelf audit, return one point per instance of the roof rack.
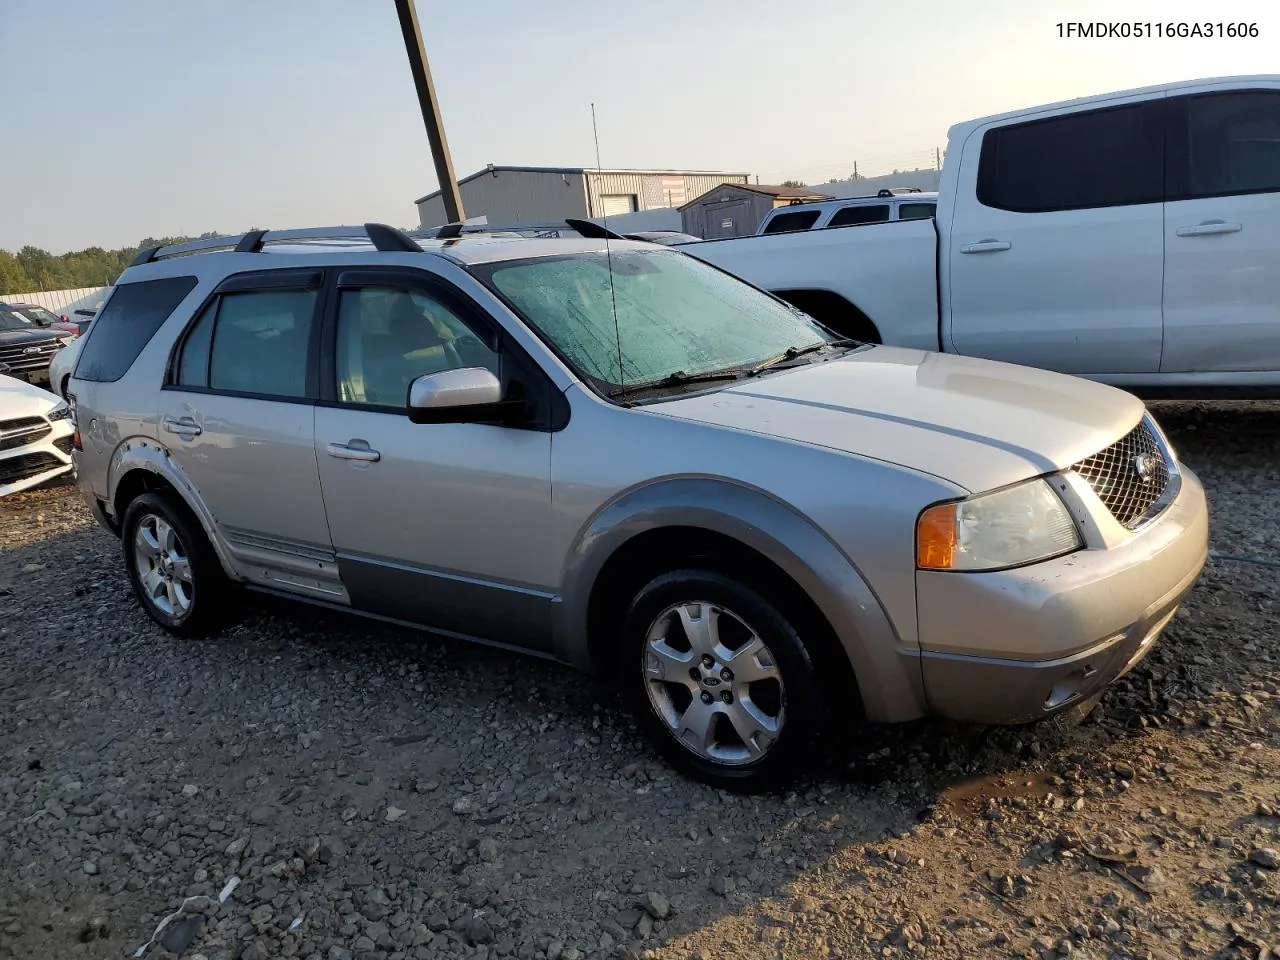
(572, 227)
(384, 238)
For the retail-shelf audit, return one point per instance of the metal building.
(547, 195)
(736, 209)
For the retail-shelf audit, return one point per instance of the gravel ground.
(380, 794)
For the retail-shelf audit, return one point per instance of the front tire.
(172, 568)
(721, 681)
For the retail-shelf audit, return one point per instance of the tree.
(794, 183)
(13, 279)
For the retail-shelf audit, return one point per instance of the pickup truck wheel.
(173, 570)
(720, 680)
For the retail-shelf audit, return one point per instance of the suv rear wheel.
(174, 572)
(720, 680)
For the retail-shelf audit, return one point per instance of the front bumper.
(1017, 645)
(22, 468)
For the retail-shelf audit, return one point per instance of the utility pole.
(430, 110)
(937, 157)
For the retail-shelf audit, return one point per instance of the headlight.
(60, 412)
(1008, 528)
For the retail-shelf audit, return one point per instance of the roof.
(1101, 98)
(492, 169)
(777, 191)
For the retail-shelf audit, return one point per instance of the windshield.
(40, 315)
(12, 320)
(675, 315)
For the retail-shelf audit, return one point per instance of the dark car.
(26, 347)
(41, 317)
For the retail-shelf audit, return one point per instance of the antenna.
(608, 254)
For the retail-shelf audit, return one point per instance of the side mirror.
(469, 395)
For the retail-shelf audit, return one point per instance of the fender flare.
(141, 453)
(888, 671)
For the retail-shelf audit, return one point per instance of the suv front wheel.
(174, 572)
(721, 680)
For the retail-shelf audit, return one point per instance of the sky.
(135, 118)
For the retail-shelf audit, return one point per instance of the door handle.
(182, 426)
(986, 246)
(350, 451)
(1209, 228)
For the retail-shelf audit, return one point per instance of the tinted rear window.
(1100, 158)
(126, 324)
(786, 222)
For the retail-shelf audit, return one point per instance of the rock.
(180, 934)
(197, 905)
(258, 950)
(1151, 877)
(656, 905)
(721, 886)
(262, 814)
(90, 868)
(1124, 771)
(236, 847)
(571, 953)
(487, 849)
(478, 931)
(1265, 857)
(339, 953)
(555, 950)
(331, 849)
(644, 926)
(393, 814)
(261, 915)
(190, 790)
(463, 806)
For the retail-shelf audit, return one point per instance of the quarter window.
(917, 211)
(126, 324)
(1098, 158)
(387, 338)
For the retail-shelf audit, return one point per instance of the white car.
(35, 436)
(60, 367)
(1132, 238)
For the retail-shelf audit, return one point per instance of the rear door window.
(789, 222)
(860, 214)
(1225, 144)
(1096, 158)
(256, 342)
(126, 324)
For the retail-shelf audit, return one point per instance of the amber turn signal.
(936, 538)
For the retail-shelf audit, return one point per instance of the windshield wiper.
(792, 352)
(679, 379)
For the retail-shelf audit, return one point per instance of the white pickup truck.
(1132, 238)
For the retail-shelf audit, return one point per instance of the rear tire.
(720, 680)
(172, 568)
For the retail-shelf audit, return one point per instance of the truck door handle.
(986, 246)
(1209, 228)
(182, 426)
(353, 450)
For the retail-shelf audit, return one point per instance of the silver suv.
(613, 455)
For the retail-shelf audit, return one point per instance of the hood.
(19, 399)
(977, 423)
(35, 335)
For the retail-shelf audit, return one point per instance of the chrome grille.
(1130, 476)
(24, 430)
